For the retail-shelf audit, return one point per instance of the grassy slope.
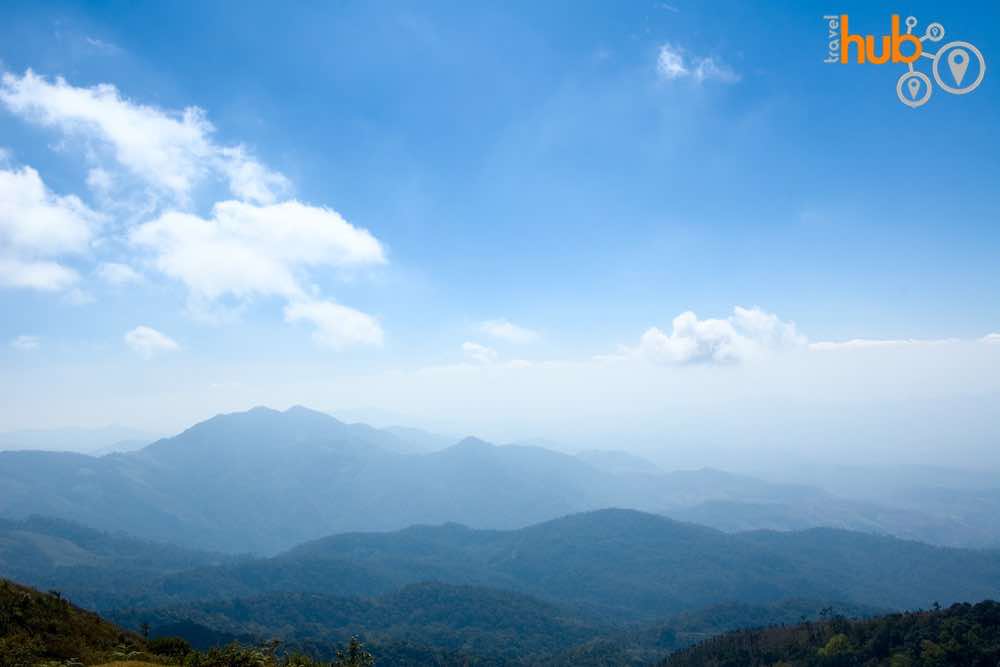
(41, 626)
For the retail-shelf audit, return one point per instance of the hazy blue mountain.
(94, 441)
(618, 461)
(262, 480)
(418, 440)
(960, 505)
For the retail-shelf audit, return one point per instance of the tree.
(355, 656)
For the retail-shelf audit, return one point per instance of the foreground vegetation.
(963, 635)
(45, 629)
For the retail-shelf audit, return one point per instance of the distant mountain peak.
(472, 442)
(303, 411)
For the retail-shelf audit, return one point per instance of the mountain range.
(262, 481)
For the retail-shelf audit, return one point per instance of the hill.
(93, 568)
(630, 564)
(37, 626)
(45, 629)
(963, 635)
(618, 564)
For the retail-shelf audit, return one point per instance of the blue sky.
(527, 164)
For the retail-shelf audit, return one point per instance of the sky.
(669, 227)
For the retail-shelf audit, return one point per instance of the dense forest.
(44, 628)
(963, 635)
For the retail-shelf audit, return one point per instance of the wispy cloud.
(102, 45)
(877, 343)
(172, 152)
(478, 353)
(674, 62)
(25, 343)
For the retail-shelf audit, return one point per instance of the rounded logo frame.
(973, 50)
(928, 88)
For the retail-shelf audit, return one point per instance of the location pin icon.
(958, 62)
(914, 86)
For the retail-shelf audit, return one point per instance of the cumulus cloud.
(115, 273)
(37, 227)
(673, 62)
(508, 331)
(171, 151)
(147, 164)
(993, 339)
(337, 326)
(245, 250)
(479, 353)
(25, 343)
(148, 341)
(747, 332)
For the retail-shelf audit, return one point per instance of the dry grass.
(130, 663)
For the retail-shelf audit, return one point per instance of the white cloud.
(993, 339)
(508, 331)
(246, 250)
(148, 341)
(25, 343)
(479, 353)
(36, 227)
(35, 274)
(670, 63)
(336, 326)
(114, 273)
(673, 62)
(172, 151)
(148, 162)
(101, 45)
(709, 69)
(746, 333)
(875, 343)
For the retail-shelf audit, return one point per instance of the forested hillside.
(964, 635)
